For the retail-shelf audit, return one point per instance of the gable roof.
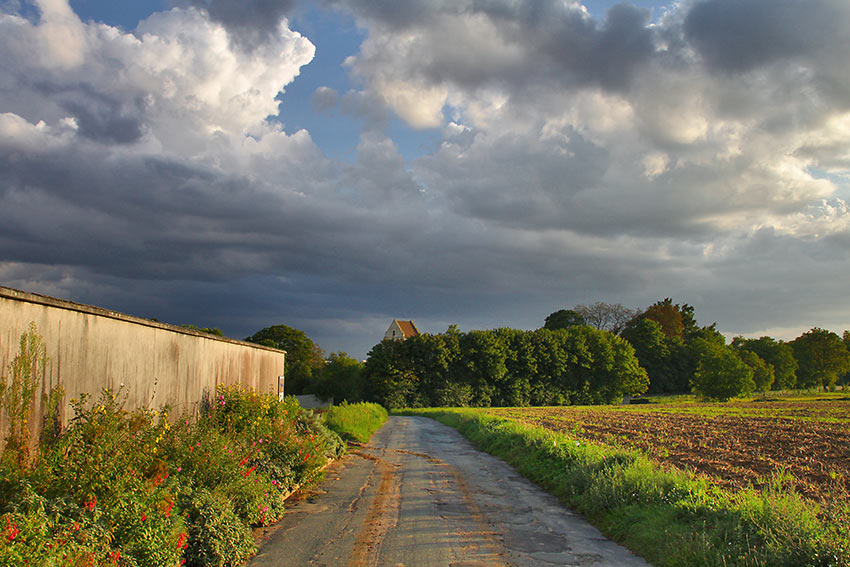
(407, 328)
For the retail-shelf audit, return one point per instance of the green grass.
(667, 516)
(355, 422)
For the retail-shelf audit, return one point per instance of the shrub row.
(669, 517)
(145, 489)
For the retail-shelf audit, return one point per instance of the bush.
(721, 374)
(217, 537)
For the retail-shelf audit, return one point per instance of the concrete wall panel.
(153, 364)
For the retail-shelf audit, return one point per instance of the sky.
(333, 164)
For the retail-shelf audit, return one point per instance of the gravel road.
(420, 495)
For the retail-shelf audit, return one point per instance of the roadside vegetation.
(145, 488)
(672, 517)
(355, 422)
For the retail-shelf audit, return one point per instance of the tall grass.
(355, 422)
(667, 516)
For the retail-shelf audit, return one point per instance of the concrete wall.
(90, 348)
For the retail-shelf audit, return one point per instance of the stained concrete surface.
(420, 495)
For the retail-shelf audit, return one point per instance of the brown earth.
(807, 441)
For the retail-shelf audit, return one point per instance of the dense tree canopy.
(564, 319)
(341, 380)
(776, 353)
(505, 367)
(822, 357)
(304, 358)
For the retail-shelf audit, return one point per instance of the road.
(420, 495)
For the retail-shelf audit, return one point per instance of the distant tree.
(342, 379)
(209, 330)
(563, 319)
(668, 315)
(392, 382)
(763, 372)
(776, 353)
(606, 316)
(653, 352)
(304, 359)
(822, 357)
(721, 374)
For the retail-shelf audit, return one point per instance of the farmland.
(736, 445)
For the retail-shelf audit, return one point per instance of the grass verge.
(667, 516)
(355, 422)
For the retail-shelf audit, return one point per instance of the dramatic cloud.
(248, 23)
(699, 152)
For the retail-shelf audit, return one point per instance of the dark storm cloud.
(248, 22)
(735, 36)
(103, 122)
(605, 55)
(543, 40)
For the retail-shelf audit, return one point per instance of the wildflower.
(12, 531)
(91, 504)
(181, 541)
(179, 469)
(144, 516)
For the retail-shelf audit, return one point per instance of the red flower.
(12, 532)
(144, 516)
(181, 541)
(91, 504)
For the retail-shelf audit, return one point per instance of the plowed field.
(737, 445)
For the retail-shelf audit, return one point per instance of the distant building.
(400, 330)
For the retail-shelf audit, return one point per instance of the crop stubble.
(736, 445)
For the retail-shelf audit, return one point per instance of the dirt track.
(419, 495)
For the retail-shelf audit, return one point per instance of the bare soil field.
(735, 444)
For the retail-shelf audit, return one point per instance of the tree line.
(589, 354)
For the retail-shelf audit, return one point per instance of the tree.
(563, 319)
(822, 357)
(776, 353)
(392, 382)
(342, 379)
(209, 330)
(668, 316)
(653, 352)
(763, 372)
(606, 316)
(721, 374)
(304, 359)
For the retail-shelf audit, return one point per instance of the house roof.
(408, 329)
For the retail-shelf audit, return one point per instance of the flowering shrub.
(144, 489)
